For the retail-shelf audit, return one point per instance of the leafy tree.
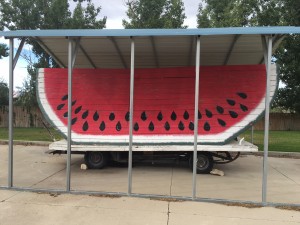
(154, 14)
(233, 13)
(3, 51)
(4, 98)
(45, 14)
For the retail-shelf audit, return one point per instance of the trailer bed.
(234, 146)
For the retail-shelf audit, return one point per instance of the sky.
(115, 10)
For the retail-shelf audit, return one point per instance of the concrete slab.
(242, 181)
(208, 213)
(7, 194)
(33, 211)
(47, 209)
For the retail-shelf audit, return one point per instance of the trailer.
(148, 91)
(97, 156)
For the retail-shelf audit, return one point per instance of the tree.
(3, 51)
(4, 96)
(45, 14)
(154, 14)
(264, 13)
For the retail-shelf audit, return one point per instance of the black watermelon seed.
(167, 126)
(85, 126)
(59, 107)
(191, 126)
(118, 126)
(77, 110)
(112, 116)
(199, 115)
(244, 108)
(160, 116)
(181, 126)
(233, 114)
(102, 126)
(66, 114)
(65, 97)
(74, 120)
(143, 116)
(96, 116)
(242, 95)
(136, 127)
(220, 109)
(151, 126)
(230, 102)
(74, 102)
(206, 126)
(127, 116)
(85, 114)
(173, 116)
(208, 113)
(222, 122)
(186, 115)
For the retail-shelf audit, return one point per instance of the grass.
(30, 134)
(281, 141)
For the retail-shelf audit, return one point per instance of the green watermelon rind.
(124, 143)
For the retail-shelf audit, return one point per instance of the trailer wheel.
(95, 160)
(204, 164)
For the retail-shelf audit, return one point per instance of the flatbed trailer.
(96, 155)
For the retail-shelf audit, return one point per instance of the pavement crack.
(286, 176)
(53, 174)
(168, 213)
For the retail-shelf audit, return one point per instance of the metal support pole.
(196, 117)
(70, 68)
(18, 53)
(10, 113)
(72, 53)
(131, 118)
(268, 55)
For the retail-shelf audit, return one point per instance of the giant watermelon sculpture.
(230, 99)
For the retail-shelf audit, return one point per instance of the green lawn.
(282, 141)
(30, 134)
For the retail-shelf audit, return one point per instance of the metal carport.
(150, 48)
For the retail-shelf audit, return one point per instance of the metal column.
(10, 114)
(196, 117)
(12, 64)
(267, 55)
(72, 52)
(131, 118)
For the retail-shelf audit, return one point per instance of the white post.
(268, 56)
(131, 118)
(69, 139)
(10, 113)
(196, 117)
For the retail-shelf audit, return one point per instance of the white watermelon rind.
(213, 139)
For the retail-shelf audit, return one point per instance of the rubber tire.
(96, 160)
(204, 158)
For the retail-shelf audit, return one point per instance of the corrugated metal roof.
(151, 32)
(157, 47)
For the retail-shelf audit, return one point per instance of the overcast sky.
(115, 10)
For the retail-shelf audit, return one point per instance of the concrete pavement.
(18, 208)
(242, 181)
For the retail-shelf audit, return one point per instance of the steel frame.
(74, 45)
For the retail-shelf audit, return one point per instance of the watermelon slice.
(230, 99)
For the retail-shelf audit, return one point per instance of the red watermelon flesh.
(230, 97)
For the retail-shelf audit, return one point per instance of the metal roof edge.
(151, 32)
